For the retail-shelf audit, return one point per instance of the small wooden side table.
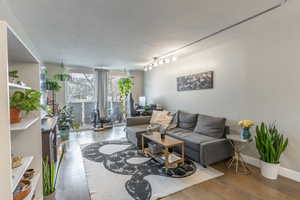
(238, 144)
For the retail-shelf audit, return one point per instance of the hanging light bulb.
(174, 58)
(150, 68)
(155, 64)
(167, 60)
(145, 68)
(161, 62)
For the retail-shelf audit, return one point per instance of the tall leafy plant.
(270, 143)
(28, 101)
(125, 86)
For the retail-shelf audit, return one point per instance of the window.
(81, 96)
(81, 88)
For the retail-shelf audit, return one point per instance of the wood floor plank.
(72, 183)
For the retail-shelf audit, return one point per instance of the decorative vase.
(245, 133)
(269, 170)
(15, 115)
(50, 196)
(163, 132)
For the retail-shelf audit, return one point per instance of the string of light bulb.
(160, 61)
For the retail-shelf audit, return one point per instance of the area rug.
(116, 170)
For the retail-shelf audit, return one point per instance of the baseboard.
(288, 173)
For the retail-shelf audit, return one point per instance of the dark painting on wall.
(195, 81)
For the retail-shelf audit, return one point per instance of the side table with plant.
(270, 145)
(26, 101)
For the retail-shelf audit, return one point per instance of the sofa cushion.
(210, 126)
(191, 140)
(186, 120)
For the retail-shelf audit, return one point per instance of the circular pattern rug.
(124, 158)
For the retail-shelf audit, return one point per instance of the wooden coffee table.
(169, 159)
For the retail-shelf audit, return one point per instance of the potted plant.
(66, 119)
(270, 145)
(125, 86)
(13, 75)
(27, 101)
(62, 77)
(50, 173)
(52, 85)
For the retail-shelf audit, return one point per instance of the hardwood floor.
(72, 184)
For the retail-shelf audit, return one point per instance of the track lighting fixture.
(167, 58)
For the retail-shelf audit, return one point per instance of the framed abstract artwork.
(198, 81)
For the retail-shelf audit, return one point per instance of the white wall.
(8, 16)
(138, 84)
(257, 72)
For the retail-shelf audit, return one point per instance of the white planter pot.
(269, 170)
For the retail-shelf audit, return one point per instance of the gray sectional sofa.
(204, 136)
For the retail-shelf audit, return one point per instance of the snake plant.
(50, 173)
(270, 143)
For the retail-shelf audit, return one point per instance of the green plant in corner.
(125, 86)
(270, 143)
(27, 101)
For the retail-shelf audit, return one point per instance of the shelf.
(24, 124)
(19, 171)
(159, 157)
(34, 183)
(16, 86)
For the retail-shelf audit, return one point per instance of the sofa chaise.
(204, 136)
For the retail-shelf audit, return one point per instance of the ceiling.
(123, 33)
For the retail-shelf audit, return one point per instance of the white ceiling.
(123, 33)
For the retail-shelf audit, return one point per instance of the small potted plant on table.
(270, 145)
(27, 101)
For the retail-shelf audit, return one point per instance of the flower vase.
(245, 133)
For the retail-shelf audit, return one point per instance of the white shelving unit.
(24, 124)
(15, 55)
(18, 173)
(34, 183)
(16, 86)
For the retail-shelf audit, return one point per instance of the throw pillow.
(165, 121)
(157, 116)
(187, 120)
(210, 126)
(174, 121)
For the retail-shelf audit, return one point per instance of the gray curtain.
(102, 91)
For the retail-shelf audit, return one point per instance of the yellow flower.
(246, 123)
